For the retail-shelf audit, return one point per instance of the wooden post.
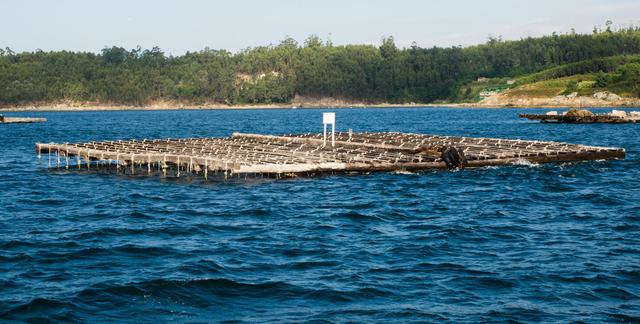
(324, 135)
(333, 134)
(66, 155)
(164, 165)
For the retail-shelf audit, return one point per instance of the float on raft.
(309, 154)
(575, 116)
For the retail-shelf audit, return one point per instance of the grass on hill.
(472, 91)
(617, 74)
(606, 64)
(584, 85)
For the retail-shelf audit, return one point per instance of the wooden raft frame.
(304, 154)
(21, 120)
(597, 118)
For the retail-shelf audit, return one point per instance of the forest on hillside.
(277, 73)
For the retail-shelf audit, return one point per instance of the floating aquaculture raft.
(596, 118)
(20, 120)
(305, 154)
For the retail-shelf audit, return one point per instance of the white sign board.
(329, 118)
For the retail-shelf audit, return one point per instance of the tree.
(603, 79)
(313, 41)
(609, 23)
(388, 48)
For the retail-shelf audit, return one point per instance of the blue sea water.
(526, 243)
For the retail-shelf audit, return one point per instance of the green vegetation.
(607, 64)
(277, 73)
(623, 79)
(554, 87)
(617, 74)
(474, 91)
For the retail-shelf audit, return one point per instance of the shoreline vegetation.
(494, 101)
(601, 69)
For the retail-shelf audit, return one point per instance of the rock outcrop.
(606, 95)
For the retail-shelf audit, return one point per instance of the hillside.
(278, 74)
(611, 81)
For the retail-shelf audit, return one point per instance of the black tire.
(454, 158)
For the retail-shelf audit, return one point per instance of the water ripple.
(521, 243)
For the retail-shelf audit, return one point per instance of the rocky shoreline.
(499, 100)
(599, 99)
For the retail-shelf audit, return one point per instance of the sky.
(191, 25)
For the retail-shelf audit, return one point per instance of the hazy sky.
(189, 25)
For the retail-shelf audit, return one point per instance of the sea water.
(526, 242)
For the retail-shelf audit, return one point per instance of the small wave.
(627, 228)
(447, 267)
(353, 215)
(94, 252)
(257, 211)
(616, 293)
(17, 258)
(517, 314)
(41, 310)
(523, 162)
(203, 268)
(630, 274)
(303, 265)
(145, 250)
(577, 278)
(109, 232)
(16, 244)
(423, 227)
(221, 285)
(136, 214)
(50, 202)
(624, 318)
(403, 172)
(205, 291)
(482, 282)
